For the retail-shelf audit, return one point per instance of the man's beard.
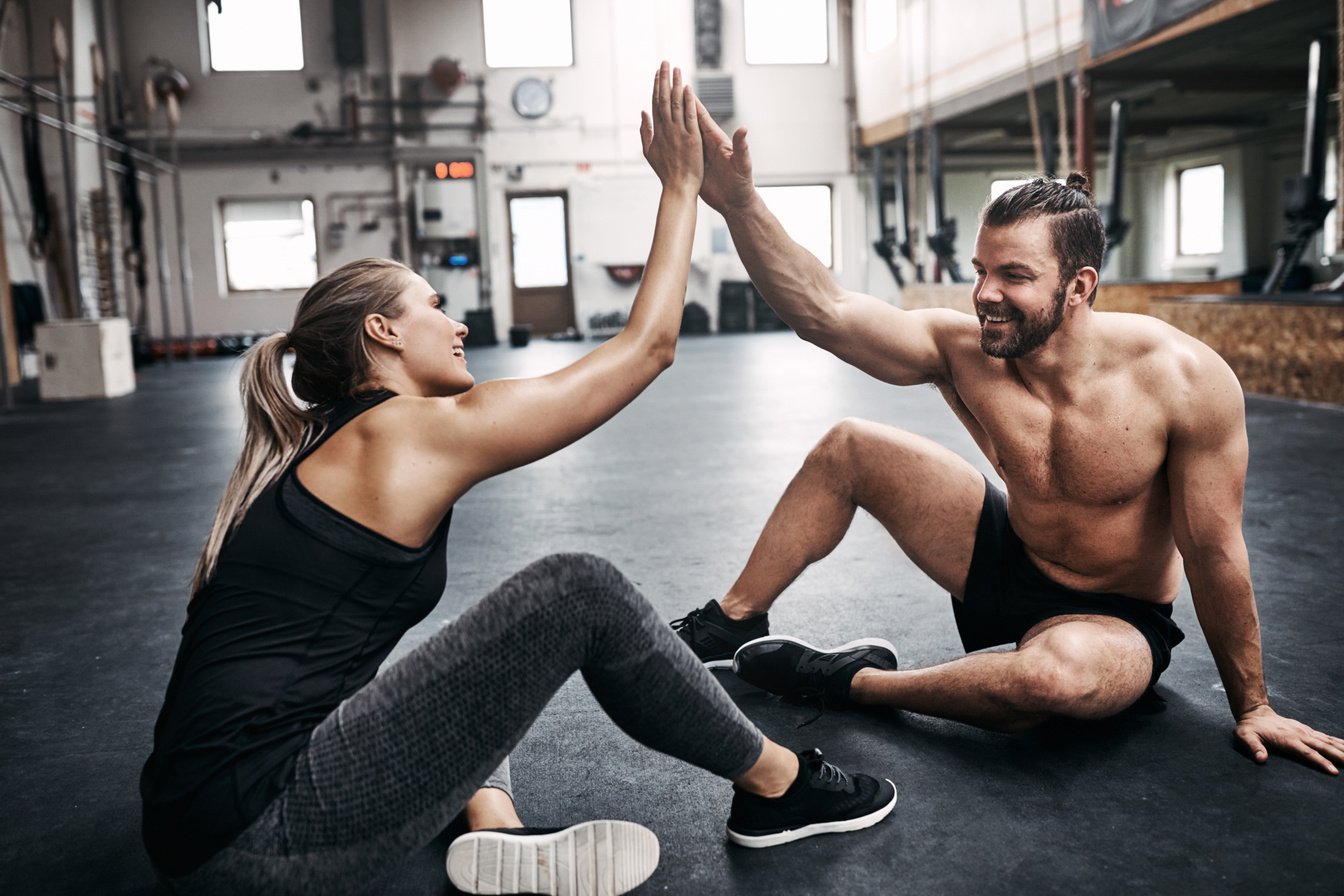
(1027, 333)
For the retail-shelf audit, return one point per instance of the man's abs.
(1125, 549)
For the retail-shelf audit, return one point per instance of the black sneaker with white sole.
(802, 673)
(586, 859)
(714, 637)
(822, 800)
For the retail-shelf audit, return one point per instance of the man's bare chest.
(1100, 453)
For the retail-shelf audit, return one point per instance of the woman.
(281, 764)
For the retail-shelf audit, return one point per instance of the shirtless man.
(1122, 443)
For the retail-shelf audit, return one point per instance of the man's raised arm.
(897, 346)
(1206, 469)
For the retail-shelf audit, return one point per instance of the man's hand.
(669, 132)
(1262, 729)
(727, 183)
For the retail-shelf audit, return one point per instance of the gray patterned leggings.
(392, 765)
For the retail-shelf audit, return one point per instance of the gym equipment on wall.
(1116, 226)
(1304, 206)
(173, 114)
(46, 236)
(943, 238)
(102, 211)
(161, 252)
(133, 211)
(893, 240)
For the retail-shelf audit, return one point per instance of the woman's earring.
(400, 343)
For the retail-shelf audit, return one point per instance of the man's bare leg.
(927, 497)
(1085, 667)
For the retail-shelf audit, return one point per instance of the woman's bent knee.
(573, 574)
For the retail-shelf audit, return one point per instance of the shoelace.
(690, 621)
(825, 775)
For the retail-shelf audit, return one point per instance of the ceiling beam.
(1216, 80)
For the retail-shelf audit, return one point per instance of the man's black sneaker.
(801, 673)
(714, 637)
(594, 857)
(821, 800)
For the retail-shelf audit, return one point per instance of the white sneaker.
(593, 858)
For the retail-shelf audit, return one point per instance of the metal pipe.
(1313, 140)
(161, 255)
(179, 213)
(76, 293)
(398, 168)
(483, 233)
(4, 329)
(71, 128)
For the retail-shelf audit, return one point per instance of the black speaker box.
(347, 19)
(735, 306)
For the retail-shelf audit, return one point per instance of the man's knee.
(1067, 675)
(843, 444)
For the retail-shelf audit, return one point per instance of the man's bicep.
(889, 343)
(1206, 468)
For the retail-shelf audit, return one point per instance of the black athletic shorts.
(1006, 594)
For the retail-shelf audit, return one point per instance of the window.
(805, 213)
(540, 252)
(998, 187)
(269, 244)
(785, 32)
(528, 33)
(255, 36)
(1199, 210)
(879, 25)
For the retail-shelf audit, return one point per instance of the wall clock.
(532, 98)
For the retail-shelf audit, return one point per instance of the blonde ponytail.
(275, 432)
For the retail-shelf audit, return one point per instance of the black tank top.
(303, 607)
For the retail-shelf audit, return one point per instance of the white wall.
(949, 48)
(588, 144)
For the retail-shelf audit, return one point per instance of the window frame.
(226, 277)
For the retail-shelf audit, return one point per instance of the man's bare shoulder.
(1170, 365)
(957, 334)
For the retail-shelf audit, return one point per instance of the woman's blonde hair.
(332, 360)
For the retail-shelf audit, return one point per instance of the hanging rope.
(1061, 97)
(1339, 136)
(1036, 144)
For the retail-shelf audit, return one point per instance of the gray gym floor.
(106, 504)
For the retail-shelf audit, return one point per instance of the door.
(543, 294)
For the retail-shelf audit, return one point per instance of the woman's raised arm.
(503, 424)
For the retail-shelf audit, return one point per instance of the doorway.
(543, 293)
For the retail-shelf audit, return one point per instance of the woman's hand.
(670, 132)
